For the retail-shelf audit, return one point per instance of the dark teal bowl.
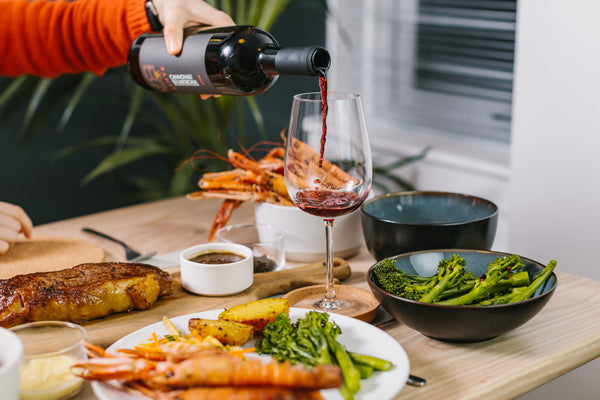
(460, 323)
(397, 223)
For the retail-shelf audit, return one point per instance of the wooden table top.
(563, 336)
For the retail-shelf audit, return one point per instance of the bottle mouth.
(313, 60)
(321, 59)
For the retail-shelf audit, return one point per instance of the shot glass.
(266, 242)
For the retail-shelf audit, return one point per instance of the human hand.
(178, 14)
(13, 220)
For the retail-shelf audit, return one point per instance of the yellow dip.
(49, 378)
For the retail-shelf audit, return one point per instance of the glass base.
(350, 306)
(331, 305)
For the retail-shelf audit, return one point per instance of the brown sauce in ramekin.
(216, 257)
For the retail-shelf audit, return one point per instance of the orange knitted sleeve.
(49, 38)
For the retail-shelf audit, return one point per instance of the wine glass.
(328, 169)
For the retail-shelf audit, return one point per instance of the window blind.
(444, 64)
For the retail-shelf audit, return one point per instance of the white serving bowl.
(216, 279)
(11, 353)
(305, 233)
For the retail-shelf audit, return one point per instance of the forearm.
(49, 38)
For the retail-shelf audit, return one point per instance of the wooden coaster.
(365, 304)
(43, 254)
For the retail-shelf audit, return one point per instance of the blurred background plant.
(84, 143)
(387, 178)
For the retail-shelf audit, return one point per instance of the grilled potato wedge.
(227, 332)
(257, 313)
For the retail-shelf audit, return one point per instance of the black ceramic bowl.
(460, 323)
(402, 222)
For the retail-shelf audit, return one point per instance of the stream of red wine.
(324, 109)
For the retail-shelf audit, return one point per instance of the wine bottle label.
(183, 73)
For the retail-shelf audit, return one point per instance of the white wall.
(555, 163)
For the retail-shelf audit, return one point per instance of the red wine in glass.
(327, 203)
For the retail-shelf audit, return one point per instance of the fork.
(130, 254)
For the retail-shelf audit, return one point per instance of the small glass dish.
(266, 242)
(49, 350)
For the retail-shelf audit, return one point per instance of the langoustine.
(209, 374)
(250, 180)
(263, 180)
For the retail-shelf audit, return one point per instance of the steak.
(81, 293)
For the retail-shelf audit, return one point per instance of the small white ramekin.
(216, 279)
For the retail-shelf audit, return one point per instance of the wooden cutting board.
(105, 331)
(41, 254)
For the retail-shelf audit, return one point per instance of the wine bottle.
(236, 60)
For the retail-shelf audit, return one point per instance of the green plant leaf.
(271, 11)
(86, 80)
(123, 157)
(397, 182)
(12, 88)
(181, 180)
(257, 116)
(108, 141)
(240, 15)
(35, 103)
(214, 123)
(241, 123)
(176, 124)
(383, 175)
(226, 6)
(254, 12)
(134, 106)
(404, 161)
(151, 188)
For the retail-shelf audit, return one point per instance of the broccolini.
(312, 341)
(484, 287)
(450, 273)
(503, 282)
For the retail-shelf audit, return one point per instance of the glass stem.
(329, 289)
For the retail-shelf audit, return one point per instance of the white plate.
(356, 336)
